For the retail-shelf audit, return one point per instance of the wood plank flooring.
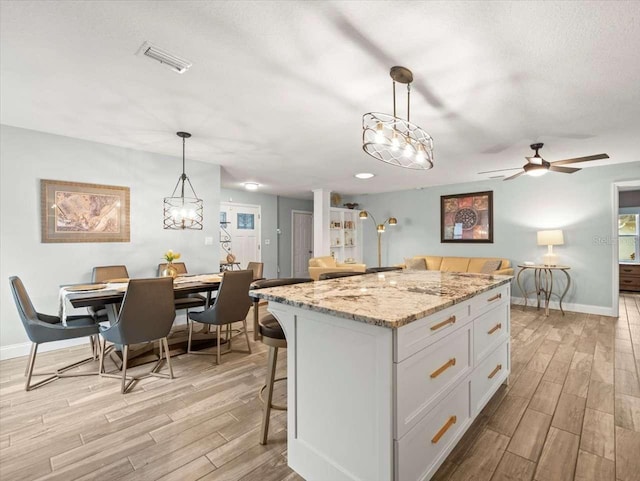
(571, 411)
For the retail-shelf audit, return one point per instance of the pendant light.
(183, 211)
(394, 140)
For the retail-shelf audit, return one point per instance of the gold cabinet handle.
(450, 422)
(494, 328)
(444, 367)
(495, 371)
(497, 296)
(451, 320)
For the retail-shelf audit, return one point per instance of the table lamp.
(550, 238)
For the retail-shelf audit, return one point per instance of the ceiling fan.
(537, 166)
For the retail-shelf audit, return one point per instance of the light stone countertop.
(389, 299)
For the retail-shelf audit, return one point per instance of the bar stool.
(272, 335)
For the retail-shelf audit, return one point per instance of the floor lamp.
(380, 228)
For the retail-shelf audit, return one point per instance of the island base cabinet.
(370, 403)
(421, 451)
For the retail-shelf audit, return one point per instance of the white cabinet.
(367, 402)
(345, 234)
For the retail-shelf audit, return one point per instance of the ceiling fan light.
(536, 172)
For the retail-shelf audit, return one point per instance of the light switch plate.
(208, 241)
(267, 242)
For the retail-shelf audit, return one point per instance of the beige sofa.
(320, 265)
(464, 264)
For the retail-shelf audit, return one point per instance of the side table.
(229, 266)
(543, 279)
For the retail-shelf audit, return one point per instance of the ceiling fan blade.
(564, 170)
(514, 176)
(580, 159)
(499, 170)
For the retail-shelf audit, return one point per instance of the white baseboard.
(568, 306)
(23, 348)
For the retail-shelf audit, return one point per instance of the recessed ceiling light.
(365, 175)
(251, 185)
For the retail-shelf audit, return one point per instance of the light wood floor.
(571, 411)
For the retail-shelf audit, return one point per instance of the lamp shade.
(550, 237)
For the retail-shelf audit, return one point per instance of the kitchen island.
(387, 371)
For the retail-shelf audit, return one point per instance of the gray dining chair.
(188, 301)
(101, 274)
(43, 328)
(271, 334)
(257, 268)
(146, 315)
(231, 305)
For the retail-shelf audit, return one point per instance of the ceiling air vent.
(174, 62)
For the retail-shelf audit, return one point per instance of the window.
(246, 221)
(223, 217)
(628, 238)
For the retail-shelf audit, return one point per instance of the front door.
(301, 242)
(243, 226)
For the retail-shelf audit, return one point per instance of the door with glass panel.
(243, 227)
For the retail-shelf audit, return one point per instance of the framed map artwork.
(467, 217)
(77, 212)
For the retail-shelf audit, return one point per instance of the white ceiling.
(277, 89)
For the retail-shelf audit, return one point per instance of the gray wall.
(274, 210)
(580, 204)
(27, 156)
(630, 198)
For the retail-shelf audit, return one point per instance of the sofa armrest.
(504, 272)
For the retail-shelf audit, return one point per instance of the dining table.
(110, 294)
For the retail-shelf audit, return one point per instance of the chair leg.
(30, 364)
(190, 322)
(266, 409)
(125, 355)
(256, 329)
(219, 336)
(246, 334)
(167, 355)
(103, 348)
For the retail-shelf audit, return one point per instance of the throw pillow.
(415, 264)
(491, 266)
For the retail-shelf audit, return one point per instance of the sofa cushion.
(490, 266)
(416, 264)
(477, 263)
(433, 262)
(454, 264)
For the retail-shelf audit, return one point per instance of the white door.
(243, 225)
(301, 242)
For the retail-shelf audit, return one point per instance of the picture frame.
(467, 218)
(80, 212)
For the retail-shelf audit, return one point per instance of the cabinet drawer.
(488, 376)
(489, 330)
(419, 334)
(427, 376)
(629, 283)
(629, 269)
(488, 300)
(423, 448)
